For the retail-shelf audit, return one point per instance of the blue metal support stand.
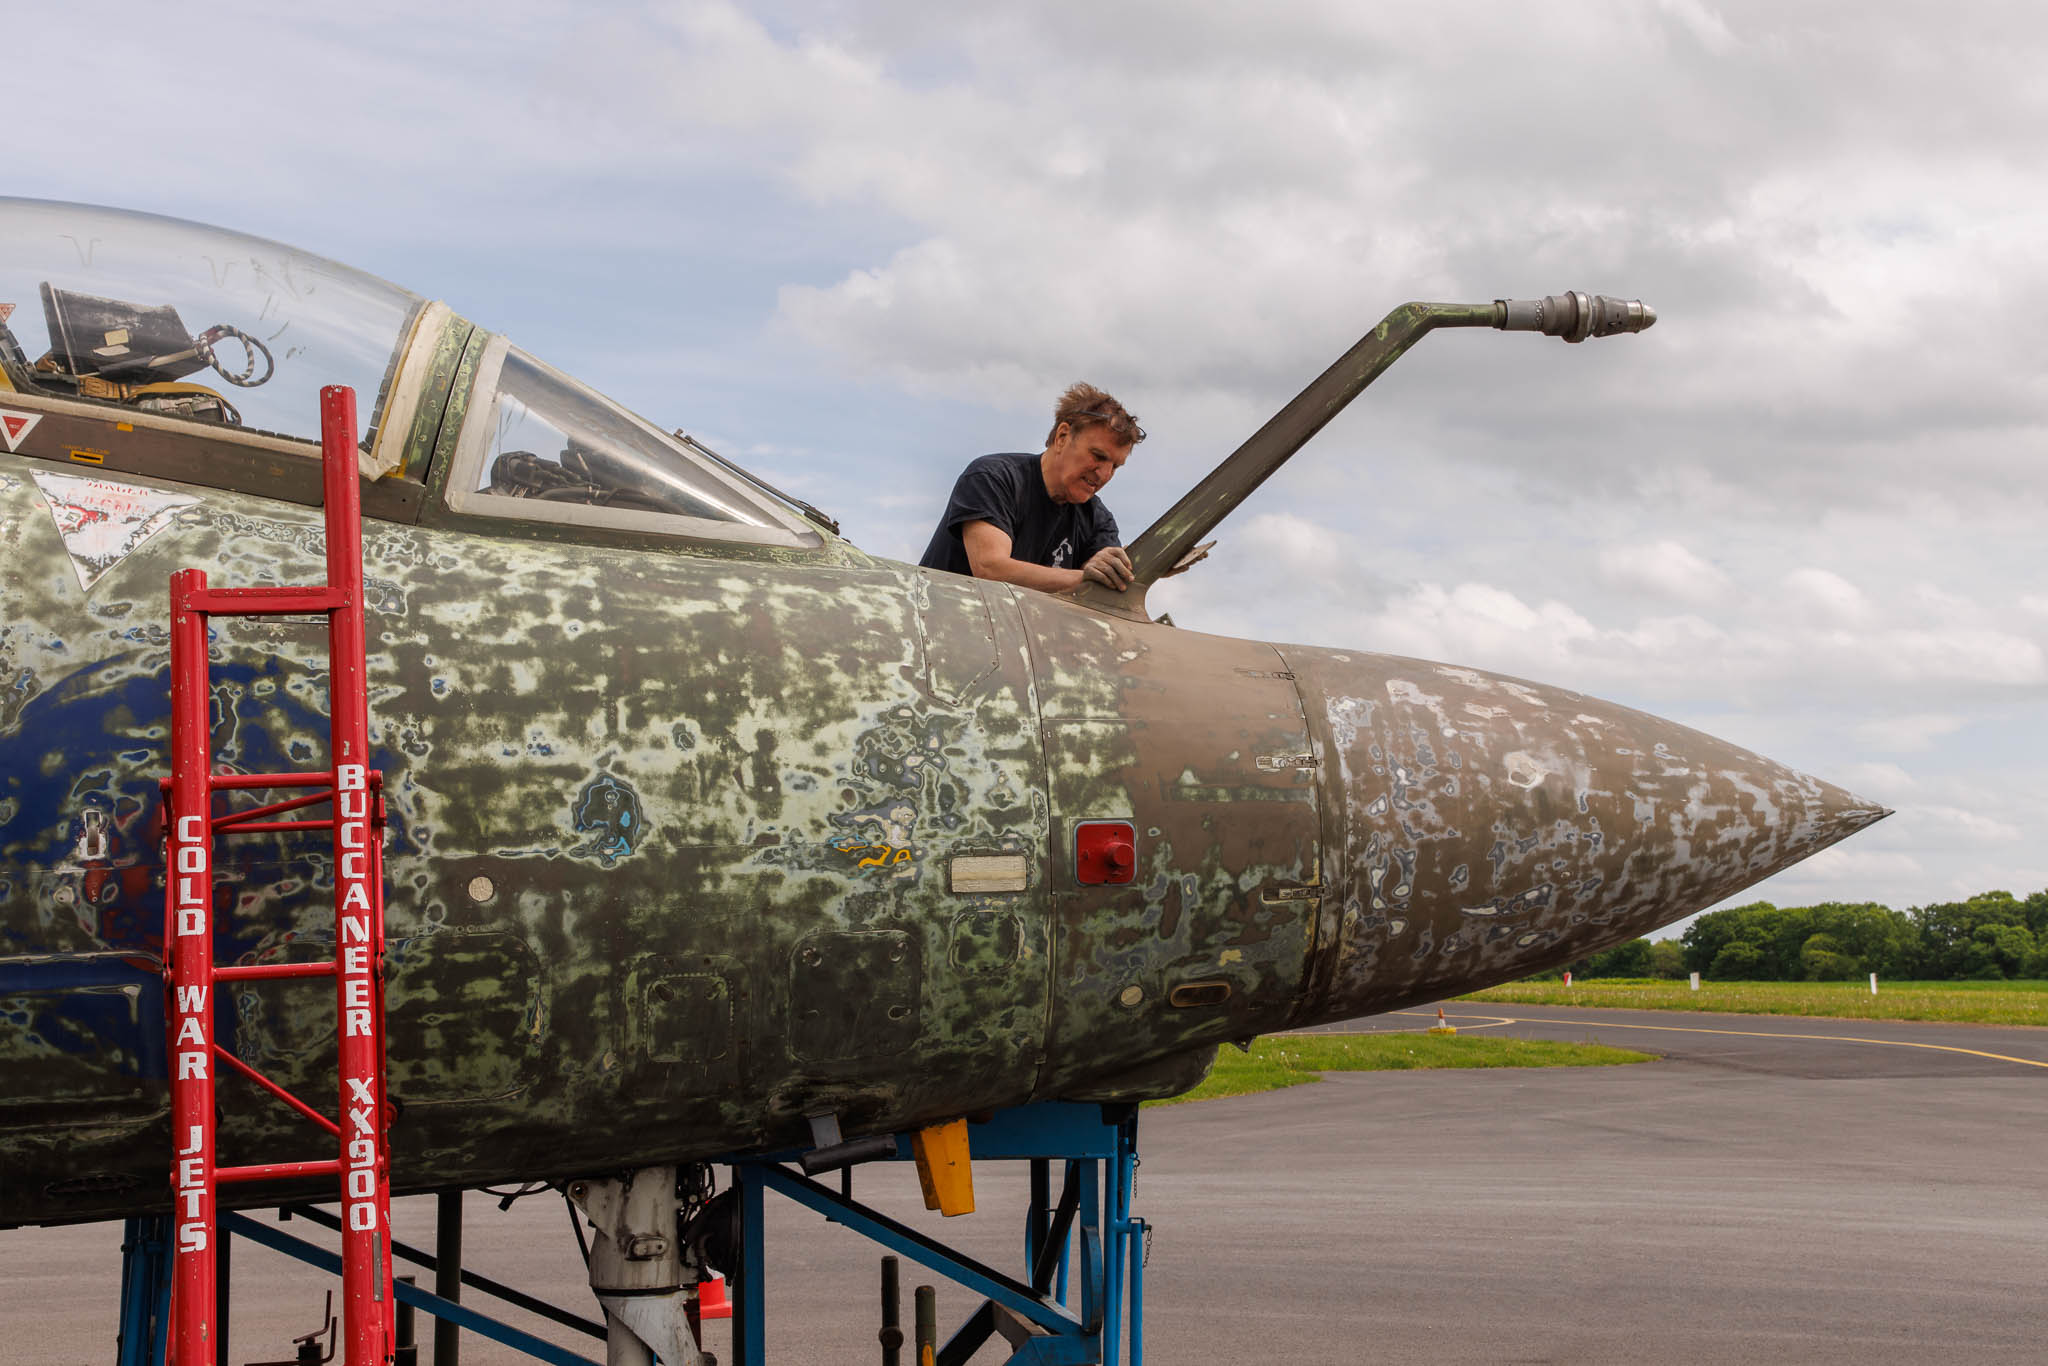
(270, 1236)
(1090, 1231)
(145, 1290)
(1082, 1243)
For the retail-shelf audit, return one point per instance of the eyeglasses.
(1112, 421)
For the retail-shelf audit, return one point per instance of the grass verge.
(2001, 1003)
(1279, 1060)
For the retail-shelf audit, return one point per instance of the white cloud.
(1476, 621)
(1225, 201)
(1951, 823)
(1884, 782)
(1666, 568)
(1846, 863)
(1703, 23)
(1828, 596)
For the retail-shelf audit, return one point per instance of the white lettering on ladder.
(191, 1191)
(355, 967)
(189, 867)
(353, 910)
(362, 1156)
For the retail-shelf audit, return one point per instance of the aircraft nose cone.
(1478, 827)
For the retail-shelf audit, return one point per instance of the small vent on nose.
(1199, 994)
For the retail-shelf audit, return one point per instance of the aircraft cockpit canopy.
(188, 321)
(552, 449)
(230, 338)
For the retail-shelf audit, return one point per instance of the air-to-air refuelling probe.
(702, 820)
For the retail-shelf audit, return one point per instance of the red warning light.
(1105, 851)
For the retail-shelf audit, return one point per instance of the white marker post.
(1695, 981)
(1567, 981)
(1873, 984)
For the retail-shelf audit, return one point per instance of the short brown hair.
(1084, 405)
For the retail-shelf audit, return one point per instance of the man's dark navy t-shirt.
(1008, 492)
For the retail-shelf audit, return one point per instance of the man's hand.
(1110, 567)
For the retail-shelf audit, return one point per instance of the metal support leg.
(1038, 1218)
(636, 1267)
(891, 1335)
(145, 1291)
(448, 1274)
(223, 1296)
(1115, 1233)
(1091, 1246)
(1126, 1264)
(405, 1349)
(749, 1312)
(927, 1324)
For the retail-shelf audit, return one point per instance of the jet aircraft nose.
(1478, 827)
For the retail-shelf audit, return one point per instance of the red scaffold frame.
(362, 1162)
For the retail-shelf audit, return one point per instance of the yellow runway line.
(1757, 1034)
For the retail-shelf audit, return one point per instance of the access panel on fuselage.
(1199, 742)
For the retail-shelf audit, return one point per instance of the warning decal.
(101, 522)
(14, 426)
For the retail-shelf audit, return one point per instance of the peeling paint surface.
(1486, 827)
(626, 794)
(671, 838)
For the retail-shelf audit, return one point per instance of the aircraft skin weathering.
(701, 818)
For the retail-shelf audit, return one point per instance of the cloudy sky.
(853, 244)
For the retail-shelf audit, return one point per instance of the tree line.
(1992, 936)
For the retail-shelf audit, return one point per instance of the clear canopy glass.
(559, 442)
(190, 321)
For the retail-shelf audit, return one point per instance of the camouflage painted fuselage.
(673, 843)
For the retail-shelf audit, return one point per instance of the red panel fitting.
(1105, 851)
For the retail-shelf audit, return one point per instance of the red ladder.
(362, 1165)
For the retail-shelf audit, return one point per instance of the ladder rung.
(246, 827)
(277, 1171)
(265, 972)
(235, 782)
(274, 808)
(255, 602)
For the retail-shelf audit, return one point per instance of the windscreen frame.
(473, 448)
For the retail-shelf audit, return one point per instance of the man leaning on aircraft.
(1030, 519)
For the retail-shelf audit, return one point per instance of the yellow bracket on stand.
(944, 1170)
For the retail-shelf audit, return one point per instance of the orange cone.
(1442, 1026)
(711, 1300)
